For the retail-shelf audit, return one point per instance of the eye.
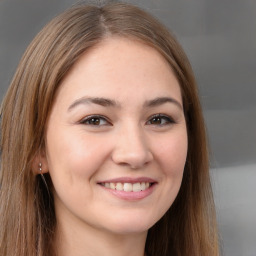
(95, 120)
(160, 120)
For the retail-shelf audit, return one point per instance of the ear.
(40, 164)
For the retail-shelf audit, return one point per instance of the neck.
(83, 240)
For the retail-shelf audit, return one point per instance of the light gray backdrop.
(220, 39)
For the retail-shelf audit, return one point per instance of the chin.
(130, 224)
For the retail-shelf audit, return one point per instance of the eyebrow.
(88, 100)
(162, 100)
(112, 103)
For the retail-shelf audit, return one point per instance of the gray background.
(220, 39)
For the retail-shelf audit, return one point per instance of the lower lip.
(131, 196)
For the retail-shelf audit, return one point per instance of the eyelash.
(97, 119)
(161, 117)
(93, 118)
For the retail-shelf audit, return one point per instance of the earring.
(42, 176)
(40, 168)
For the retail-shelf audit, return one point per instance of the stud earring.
(40, 168)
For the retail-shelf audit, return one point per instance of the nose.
(132, 149)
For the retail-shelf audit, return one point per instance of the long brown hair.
(27, 217)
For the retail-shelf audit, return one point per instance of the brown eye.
(95, 121)
(156, 120)
(160, 120)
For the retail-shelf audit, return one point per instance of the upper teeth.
(127, 187)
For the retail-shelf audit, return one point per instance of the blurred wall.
(220, 40)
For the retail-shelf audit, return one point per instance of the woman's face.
(116, 139)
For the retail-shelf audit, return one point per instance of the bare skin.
(116, 146)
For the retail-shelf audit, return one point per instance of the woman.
(103, 142)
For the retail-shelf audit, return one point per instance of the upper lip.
(129, 180)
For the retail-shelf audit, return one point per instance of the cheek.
(173, 153)
(74, 155)
(170, 153)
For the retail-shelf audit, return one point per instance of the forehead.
(120, 66)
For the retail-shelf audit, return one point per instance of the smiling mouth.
(127, 187)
